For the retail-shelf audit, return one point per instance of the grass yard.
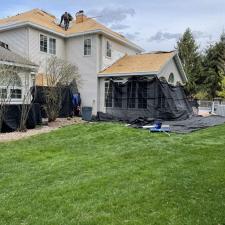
(108, 174)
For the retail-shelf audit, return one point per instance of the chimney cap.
(80, 12)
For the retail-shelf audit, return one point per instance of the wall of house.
(118, 51)
(87, 66)
(41, 58)
(171, 67)
(17, 39)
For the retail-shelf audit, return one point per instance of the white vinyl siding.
(87, 47)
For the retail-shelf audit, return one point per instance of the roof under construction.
(47, 21)
(142, 63)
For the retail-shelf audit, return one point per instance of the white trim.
(48, 44)
(27, 23)
(155, 73)
(19, 65)
(166, 64)
(181, 67)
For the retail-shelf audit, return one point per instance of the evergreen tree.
(191, 59)
(214, 68)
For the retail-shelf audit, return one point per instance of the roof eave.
(32, 67)
(151, 73)
(177, 58)
(27, 23)
(130, 44)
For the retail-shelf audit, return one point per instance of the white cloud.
(112, 15)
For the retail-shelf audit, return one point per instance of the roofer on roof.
(66, 17)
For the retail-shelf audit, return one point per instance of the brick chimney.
(80, 17)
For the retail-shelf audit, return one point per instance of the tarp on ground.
(66, 109)
(183, 126)
(144, 97)
(11, 120)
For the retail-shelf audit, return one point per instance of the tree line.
(205, 70)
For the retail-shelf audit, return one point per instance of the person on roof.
(66, 17)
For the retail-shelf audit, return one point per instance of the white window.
(108, 94)
(3, 93)
(108, 49)
(52, 46)
(47, 44)
(16, 93)
(171, 78)
(87, 47)
(43, 43)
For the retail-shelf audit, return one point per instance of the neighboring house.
(17, 76)
(89, 45)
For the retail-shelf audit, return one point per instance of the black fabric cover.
(12, 116)
(183, 126)
(151, 99)
(67, 100)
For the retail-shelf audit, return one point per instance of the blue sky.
(154, 25)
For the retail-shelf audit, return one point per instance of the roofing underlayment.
(50, 22)
(11, 57)
(150, 62)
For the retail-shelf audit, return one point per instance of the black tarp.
(148, 98)
(183, 126)
(11, 120)
(66, 100)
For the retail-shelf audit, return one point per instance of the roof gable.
(150, 63)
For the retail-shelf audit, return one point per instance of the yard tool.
(158, 127)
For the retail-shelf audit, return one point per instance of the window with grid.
(87, 47)
(16, 93)
(142, 95)
(52, 46)
(108, 94)
(108, 49)
(3, 93)
(43, 43)
(118, 95)
(131, 95)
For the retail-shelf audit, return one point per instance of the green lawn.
(108, 174)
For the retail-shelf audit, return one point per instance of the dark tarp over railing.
(144, 97)
(12, 117)
(66, 109)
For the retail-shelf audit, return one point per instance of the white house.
(88, 44)
(17, 76)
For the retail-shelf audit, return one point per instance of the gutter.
(153, 73)
(27, 23)
(19, 65)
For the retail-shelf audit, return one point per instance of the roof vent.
(4, 45)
